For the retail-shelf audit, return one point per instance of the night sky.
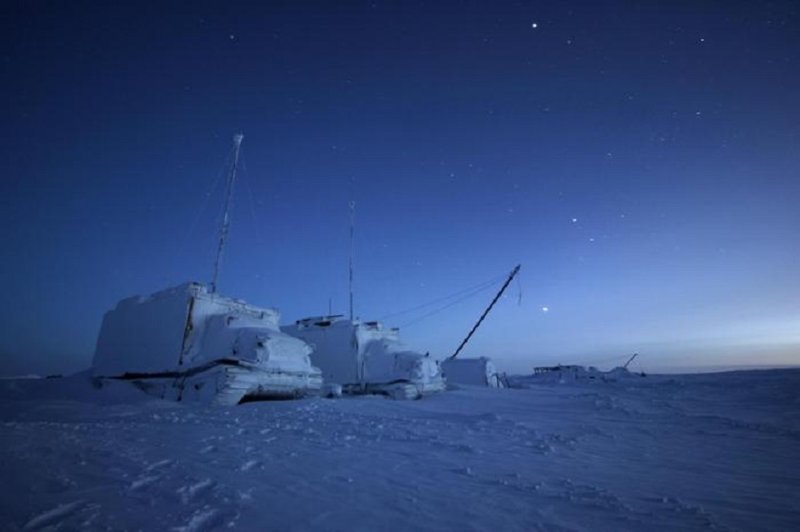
(640, 160)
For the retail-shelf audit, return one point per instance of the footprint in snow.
(143, 482)
(54, 517)
(190, 493)
(467, 471)
(250, 464)
(202, 520)
(158, 465)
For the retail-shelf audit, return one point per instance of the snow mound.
(80, 387)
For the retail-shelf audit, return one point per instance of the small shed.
(479, 371)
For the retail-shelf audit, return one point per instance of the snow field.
(662, 453)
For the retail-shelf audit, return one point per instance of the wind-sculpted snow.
(658, 453)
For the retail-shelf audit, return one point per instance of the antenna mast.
(352, 233)
(485, 312)
(226, 217)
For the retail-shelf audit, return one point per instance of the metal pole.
(352, 233)
(226, 217)
(485, 312)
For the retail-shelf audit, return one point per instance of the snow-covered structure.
(567, 373)
(187, 343)
(366, 357)
(479, 371)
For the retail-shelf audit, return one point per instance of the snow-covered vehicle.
(188, 343)
(366, 357)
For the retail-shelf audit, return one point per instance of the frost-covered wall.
(143, 334)
(334, 347)
(185, 326)
(477, 371)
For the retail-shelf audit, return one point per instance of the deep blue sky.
(640, 160)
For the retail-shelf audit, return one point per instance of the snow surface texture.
(658, 453)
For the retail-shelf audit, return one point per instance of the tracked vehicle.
(366, 357)
(188, 344)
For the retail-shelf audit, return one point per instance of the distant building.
(560, 367)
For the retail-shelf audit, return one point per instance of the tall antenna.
(352, 234)
(226, 217)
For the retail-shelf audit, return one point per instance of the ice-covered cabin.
(479, 371)
(367, 357)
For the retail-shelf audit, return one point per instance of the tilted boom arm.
(485, 312)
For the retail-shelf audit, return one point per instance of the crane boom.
(485, 312)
